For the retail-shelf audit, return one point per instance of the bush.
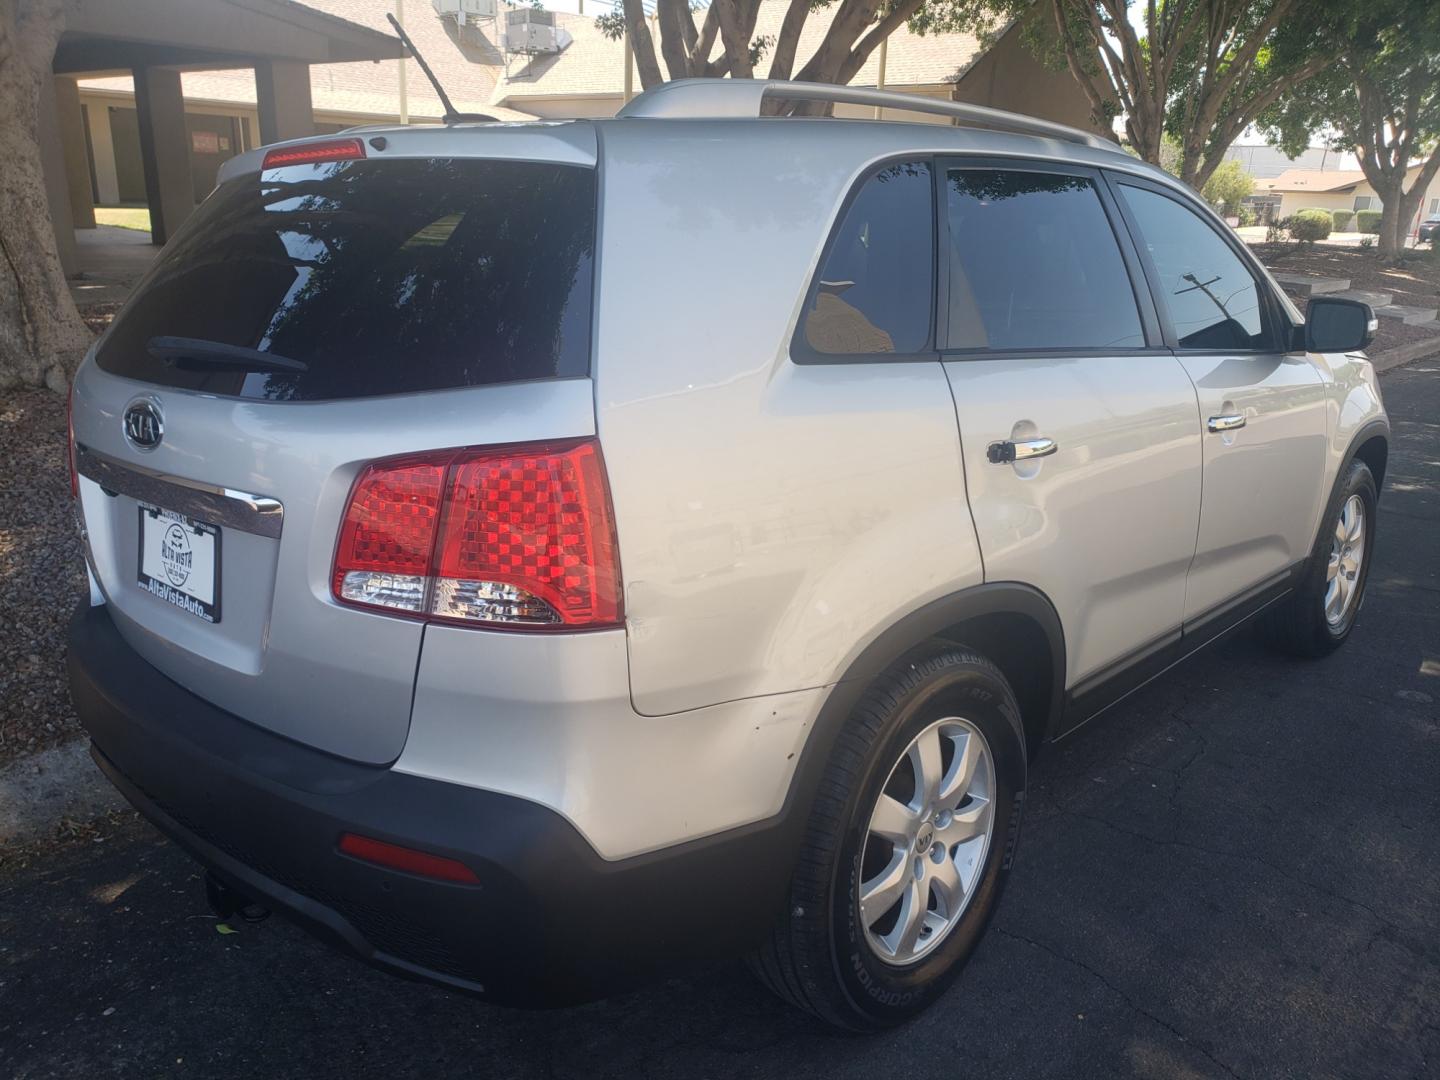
(1248, 216)
(1276, 230)
(1367, 241)
(1307, 226)
(1368, 221)
(1343, 218)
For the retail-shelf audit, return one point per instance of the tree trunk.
(1391, 192)
(42, 338)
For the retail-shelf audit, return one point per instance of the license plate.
(180, 561)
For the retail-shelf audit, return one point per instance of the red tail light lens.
(316, 153)
(515, 536)
(70, 441)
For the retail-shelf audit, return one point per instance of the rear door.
(335, 312)
(1080, 431)
(1262, 407)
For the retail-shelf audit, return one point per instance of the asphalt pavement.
(1235, 873)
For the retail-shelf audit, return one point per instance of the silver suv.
(538, 557)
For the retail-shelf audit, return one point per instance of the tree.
(688, 49)
(41, 334)
(1382, 100)
(1200, 71)
(1229, 185)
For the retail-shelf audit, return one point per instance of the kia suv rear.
(540, 557)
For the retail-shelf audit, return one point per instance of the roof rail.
(714, 99)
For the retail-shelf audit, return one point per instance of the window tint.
(382, 277)
(877, 283)
(1211, 296)
(1034, 264)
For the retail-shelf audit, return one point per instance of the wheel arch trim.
(927, 623)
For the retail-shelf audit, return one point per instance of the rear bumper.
(551, 922)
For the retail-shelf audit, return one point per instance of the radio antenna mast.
(451, 116)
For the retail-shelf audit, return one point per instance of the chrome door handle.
(1007, 452)
(1226, 423)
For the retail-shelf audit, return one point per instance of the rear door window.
(876, 285)
(380, 277)
(1034, 264)
(1213, 300)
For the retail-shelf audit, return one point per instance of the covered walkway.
(153, 41)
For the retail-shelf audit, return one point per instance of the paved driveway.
(1235, 874)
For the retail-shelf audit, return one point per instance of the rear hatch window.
(378, 277)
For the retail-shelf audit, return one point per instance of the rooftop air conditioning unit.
(466, 9)
(531, 31)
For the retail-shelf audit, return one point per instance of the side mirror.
(1333, 325)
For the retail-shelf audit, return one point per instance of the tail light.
(70, 441)
(519, 536)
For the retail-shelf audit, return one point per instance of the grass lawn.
(125, 217)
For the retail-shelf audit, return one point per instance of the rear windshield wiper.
(197, 353)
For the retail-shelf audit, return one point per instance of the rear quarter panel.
(772, 517)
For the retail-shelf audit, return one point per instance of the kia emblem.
(143, 425)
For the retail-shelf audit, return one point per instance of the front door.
(1262, 407)
(1079, 428)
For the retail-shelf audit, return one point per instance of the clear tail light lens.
(515, 536)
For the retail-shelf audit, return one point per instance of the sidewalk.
(112, 260)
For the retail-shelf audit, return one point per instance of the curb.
(41, 791)
(1405, 354)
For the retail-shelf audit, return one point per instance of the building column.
(77, 157)
(164, 150)
(282, 97)
(57, 189)
(102, 155)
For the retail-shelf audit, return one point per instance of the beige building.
(584, 77)
(1301, 189)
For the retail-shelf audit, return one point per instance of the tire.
(821, 956)
(1301, 625)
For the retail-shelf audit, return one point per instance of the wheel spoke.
(1333, 566)
(949, 889)
(1340, 531)
(970, 821)
(901, 940)
(1355, 523)
(894, 821)
(878, 895)
(925, 756)
(962, 772)
(1335, 599)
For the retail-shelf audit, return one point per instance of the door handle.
(1226, 423)
(1007, 452)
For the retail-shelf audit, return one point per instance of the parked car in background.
(1429, 229)
(540, 557)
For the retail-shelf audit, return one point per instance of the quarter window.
(1034, 264)
(877, 283)
(1212, 298)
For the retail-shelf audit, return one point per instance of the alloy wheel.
(926, 841)
(1347, 555)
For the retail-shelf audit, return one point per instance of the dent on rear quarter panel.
(772, 517)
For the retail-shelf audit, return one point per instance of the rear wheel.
(1319, 616)
(907, 845)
